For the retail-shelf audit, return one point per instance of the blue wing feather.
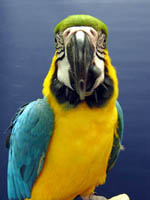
(117, 138)
(30, 136)
(120, 128)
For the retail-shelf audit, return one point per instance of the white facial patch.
(63, 72)
(100, 64)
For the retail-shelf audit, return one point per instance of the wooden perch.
(120, 197)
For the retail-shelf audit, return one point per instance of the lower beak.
(80, 53)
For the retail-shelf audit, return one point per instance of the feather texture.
(81, 20)
(30, 136)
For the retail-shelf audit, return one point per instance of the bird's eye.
(92, 32)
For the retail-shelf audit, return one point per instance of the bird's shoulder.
(32, 116)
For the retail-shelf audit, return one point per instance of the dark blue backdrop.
(26, 49)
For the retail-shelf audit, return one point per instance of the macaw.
(63, 145)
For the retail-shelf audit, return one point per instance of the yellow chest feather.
(79, 149)
(78, 153)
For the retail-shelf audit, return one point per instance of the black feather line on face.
(98, 98)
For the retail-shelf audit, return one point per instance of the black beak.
(80, 52)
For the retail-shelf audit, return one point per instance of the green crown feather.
(81, 20)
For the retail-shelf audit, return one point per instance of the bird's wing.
(118, 135)
(31, 130)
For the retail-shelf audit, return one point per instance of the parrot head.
(81, 71)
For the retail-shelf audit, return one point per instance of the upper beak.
(80, 53)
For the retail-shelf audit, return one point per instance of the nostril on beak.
(93, 33)
(67, 33)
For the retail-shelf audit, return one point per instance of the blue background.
(26, 50)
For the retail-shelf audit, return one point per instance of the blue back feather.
(30, 136)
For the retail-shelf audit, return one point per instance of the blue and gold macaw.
(63, 145)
